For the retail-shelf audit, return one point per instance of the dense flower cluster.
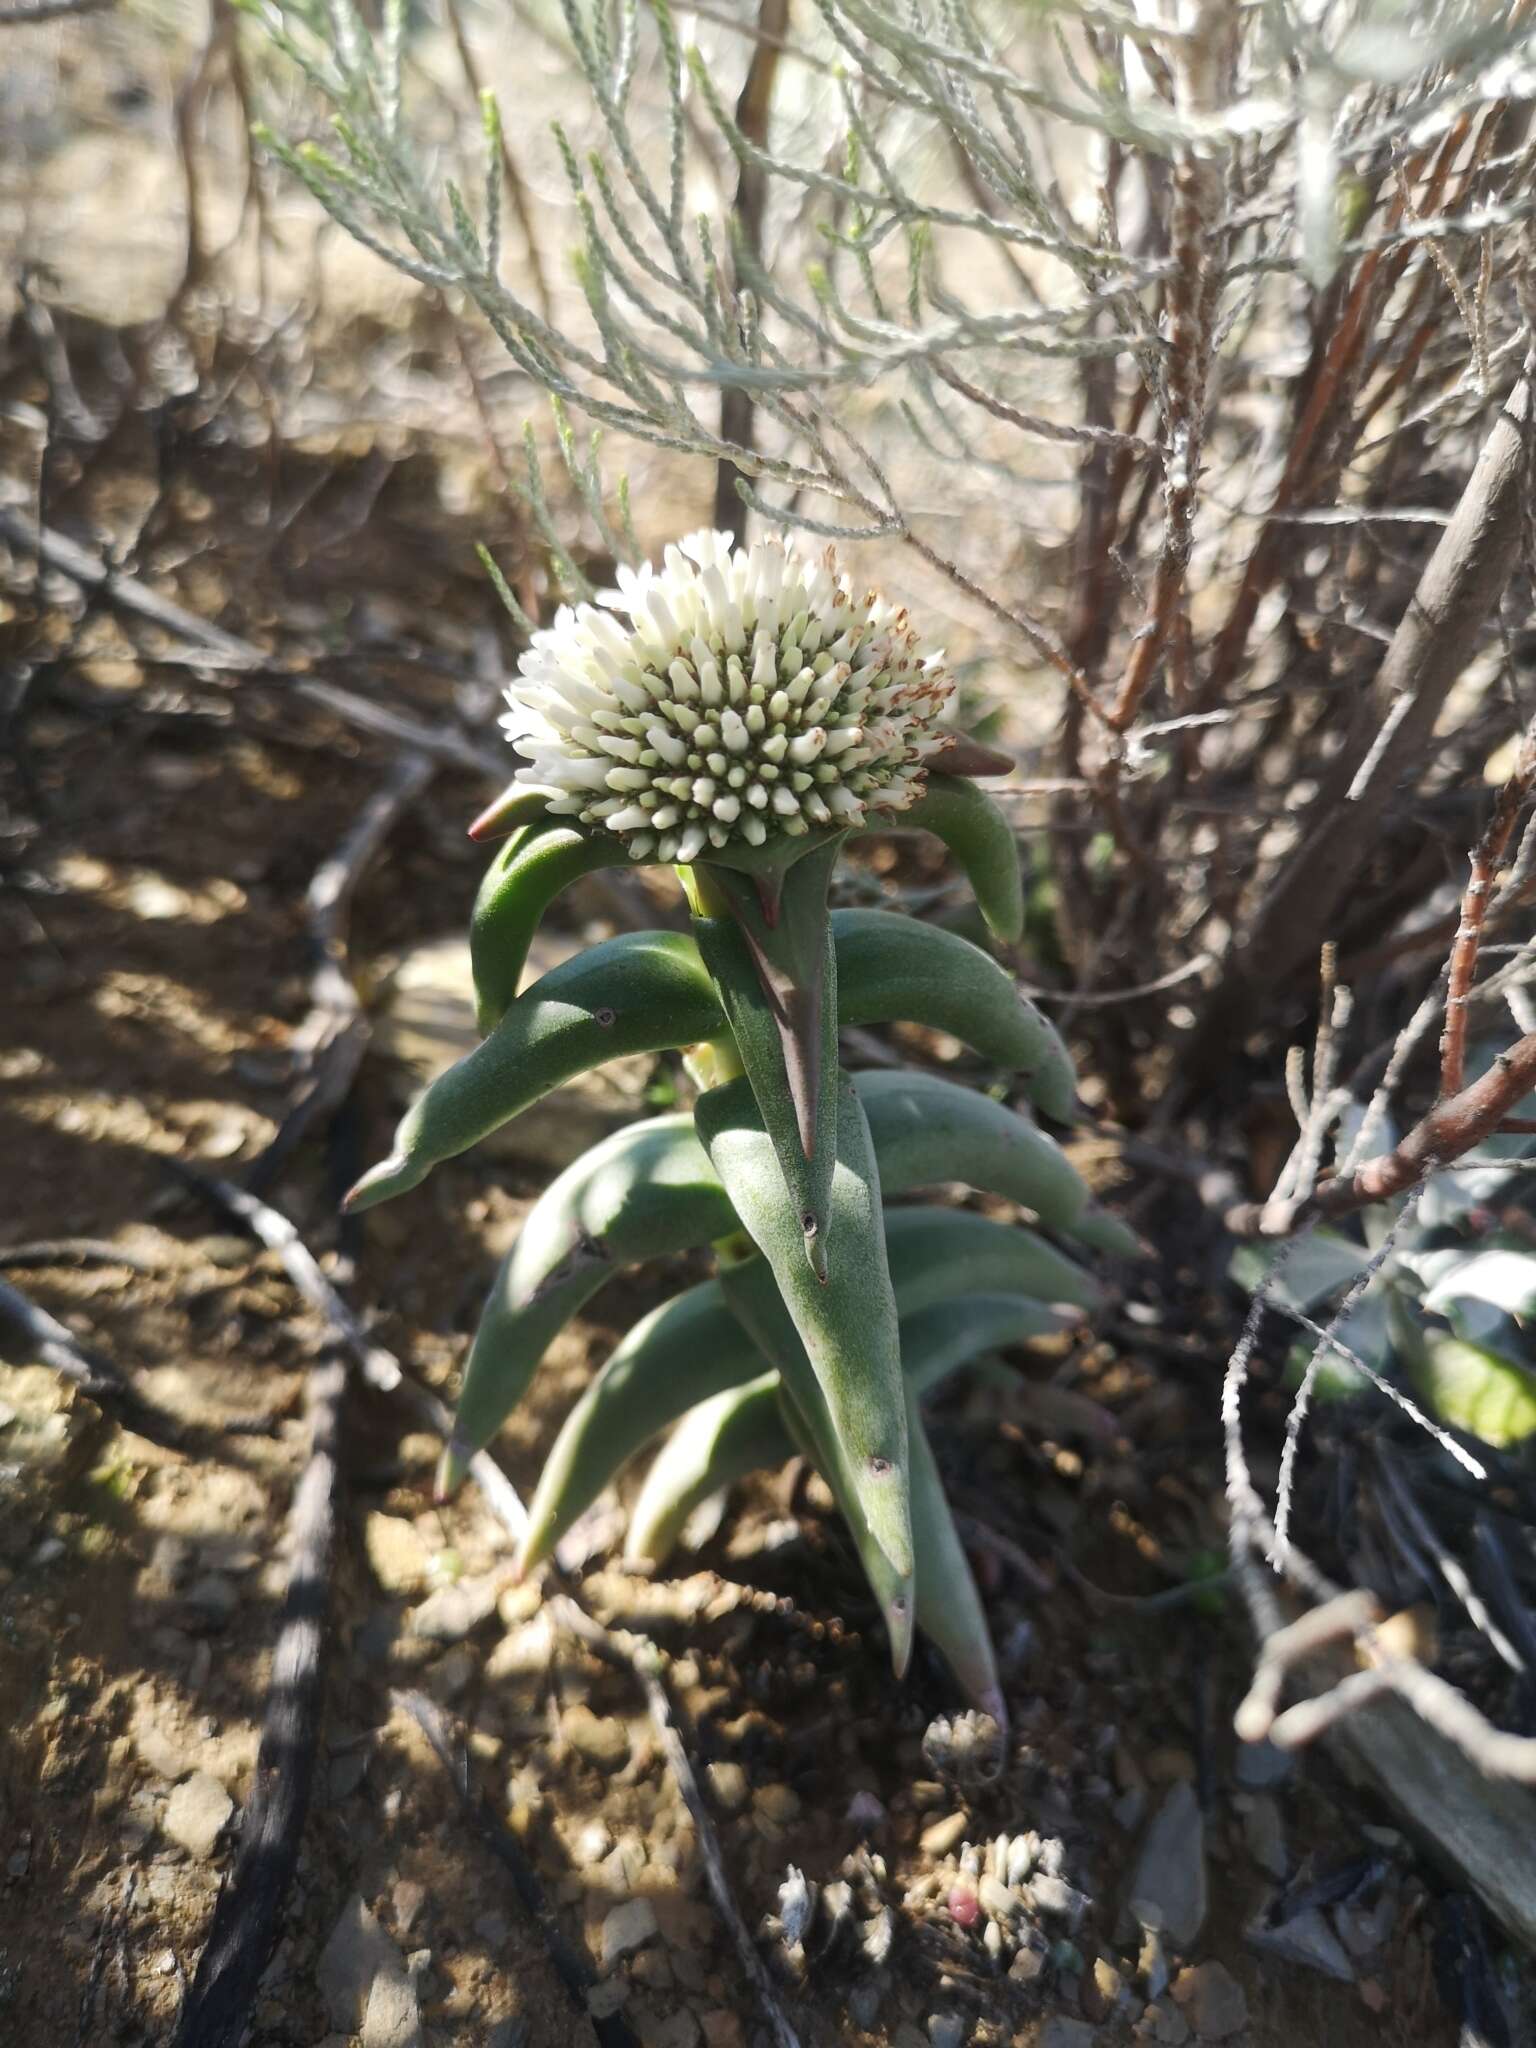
(729, 696)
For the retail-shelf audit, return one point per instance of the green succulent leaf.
(847, 1322)
(771, 955)
(1469, 1386)
(715, 1444)
(646, 1191)
(892, 968)
(927, 1130)
(519, 804)
(641, 992)
(536, 863)
(649, 1191)
(949, 1609)
(977, 832)
(939, 1254)
(687, 1351)
(809, 1423)
(1100, 1232)
(743, 1430)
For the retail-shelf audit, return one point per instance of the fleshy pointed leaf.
(688, 1350)
(521, 882)
(519, 804)
(977, 832)
(649, 1191)
(809, 1423)
(772, 960)
(847, 1322)
(1101, 1232)
(927, 1130)
(644, 1192)
(892, 968)
(949, 1608)
(715, 1444)
(641, 992)
(941, 1254)
(743, 1430)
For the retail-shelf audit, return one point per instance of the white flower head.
(730, 696)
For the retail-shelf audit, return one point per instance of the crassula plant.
(740, 714)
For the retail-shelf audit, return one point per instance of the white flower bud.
(730, 696)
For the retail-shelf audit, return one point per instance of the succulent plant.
(740, 715)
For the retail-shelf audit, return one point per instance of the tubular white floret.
(730, 695)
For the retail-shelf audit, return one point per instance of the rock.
(1026, 1966)
(1065, 2033)
(863, 2006)
(1264, 1834)
(728, 1782)
(679, 2029)
(453, 1612)
(453, 1672)
(1305, 1938)
(508, 2034)
(604, 2000)
(1108, 1984)
(1152, 1965)
(626, 1928)
(392, 2018)
(940, 1836)
(1213, 2001)
(493, 1929)
(526, 1651)
(946, 2030)
(213, 1599)
(652, 1969)
(408, 1898)
(1167, 1891)
(357, 1957)
(777, 1803)
(397, 1554)
(602, 1740)
(591, 1845)
(1260, 1766)
(197, 1813)
(1164, 2024)
(1055, 1897)
(722, 2029)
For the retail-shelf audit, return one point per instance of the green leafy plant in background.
(741, 715)
(1447, 1310)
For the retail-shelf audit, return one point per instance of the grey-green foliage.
(944, 234)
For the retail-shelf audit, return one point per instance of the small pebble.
(940, 1836)
(197, 1813)
(1164, 2024)
(1054, 1896)
(777, 1803)
(602, 1740)
(728, 1783)
(627, 1929)
(946, 2030)
(1212, 2000)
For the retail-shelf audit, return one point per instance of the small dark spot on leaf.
(808, 1224)
(605, 1017)
(879, 1467)
(899, 1604)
